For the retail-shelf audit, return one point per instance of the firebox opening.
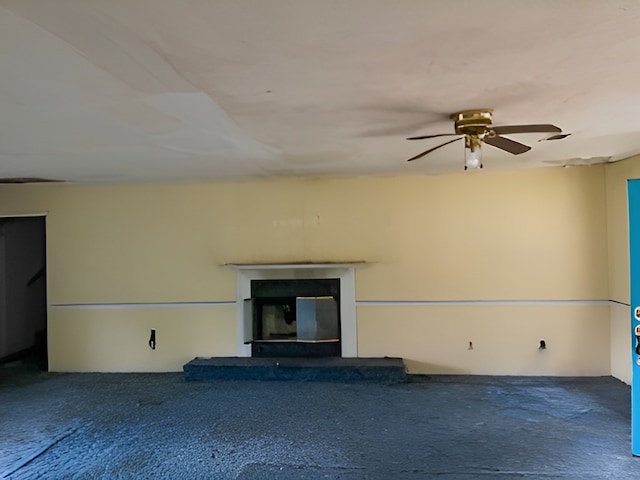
(296, 318)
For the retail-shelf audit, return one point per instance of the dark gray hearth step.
(335, 369)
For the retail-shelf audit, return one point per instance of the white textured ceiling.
(171, 90)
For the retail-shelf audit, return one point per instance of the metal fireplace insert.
(295, 317)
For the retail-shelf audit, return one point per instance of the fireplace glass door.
(317, 319)
(277, 319)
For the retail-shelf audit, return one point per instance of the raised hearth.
(337, 369)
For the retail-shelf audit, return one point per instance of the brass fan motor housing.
(474, 123)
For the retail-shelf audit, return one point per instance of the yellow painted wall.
(505, 338)
(116, 339)
(500, 236)
(519, 235)
(620, 342)
(616, 175)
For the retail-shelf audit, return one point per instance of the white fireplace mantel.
(345, 271)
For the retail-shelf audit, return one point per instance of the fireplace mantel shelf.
(301, 265)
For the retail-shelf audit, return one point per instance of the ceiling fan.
(475, 127)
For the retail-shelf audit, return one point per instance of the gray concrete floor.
(129, 426)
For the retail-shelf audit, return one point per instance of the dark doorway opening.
(23, 292)
(296, 318)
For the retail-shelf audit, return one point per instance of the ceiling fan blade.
(558, 136)
(432, 136)
(506, 144)
(432, 149)
(543, 128)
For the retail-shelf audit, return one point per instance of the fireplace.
(278, 301)
(295, 317)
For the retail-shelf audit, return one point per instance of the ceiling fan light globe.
(473, 158)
